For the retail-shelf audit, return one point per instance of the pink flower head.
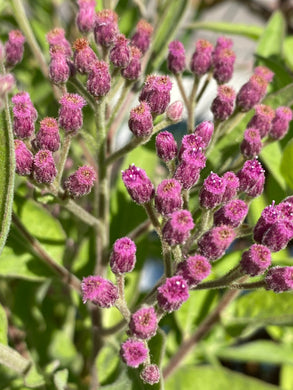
(214, 243)
(99, 79)
(194, 269)
(285, 210)
(86, 15)
(224, 65)
(59, 70)
(150, 374)
(84, 56)
(56, 37)
(256, 260)
(172, 293)
(138, 185)
(14, 48)
(99, 291)
(251, 93)
(191, 141)
(141, 121)
(177, 229)
(280, 124)
(133, 352)
(188, 171)
(25, 115)
(232, 186)
(120, 52)
(123, 256)
(211, 193)
(251, 178)
(176, 57)
(222, 44)
(262, 119)
(7, 82)
(231, 214)
(277, 236)
(205, 130)
(48, 136)
(201, 60)
(80, 182)
(166, 146)
(269, 216)
(174, 111)
(106, 27)
(70, 112)
(143, 323)
(264, 72)
(156, 91)
(279, 279)
(23, 158)
(251, 145)
(168, 197)
(223, 105)
(44, 169)
(133, 70)
(142, 37)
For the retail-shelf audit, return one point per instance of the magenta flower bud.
(23, 158)
(256, 260)
(44, 169)
(123, 257)
(133, 70)
(176, 57)
(106, 27)
(251, 178)
(188, 171)
(25, 115)
(269, 216)
(278, 235)
(262, 119)
(264, 72)
(201, 60)
(224, 65)
(156, 91)
(142, 37)
(211, 193)
(279, 279)
(251, 93)
(177, 229)
(99, 79)
(84, 56)
(191, 141)
(133, 352)
(56, 37)
(223, 105)
(138, 185)
(172, 293)
(150, 374)
(214, 243)
(174, 111)
(166, 146)
(48, 136)
(99, 291)
(120, 52)
(86, 15)
(251, 145)
(14, 48)
(222, 43)
(232, 186)
(141, 121)
(285, 210)
(168, 197)
(231, 214)
(143, 323)
(59, 71)
(205, 130)
(280, 124)
(81, 182)
(193, 270)
(70, 112)
(289, 199)
(7, 82)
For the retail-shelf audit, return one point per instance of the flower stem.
(124, 92)
(62, 159)
(121, 303)
(181, 89)
(191, 105)
(223, 282)
(83, 92)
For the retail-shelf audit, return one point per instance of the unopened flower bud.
(14, 48)
(120, 52)
(251, 178)
(99, 79)
(232, 186)
(262, 119)
(201, 60)
(224, 65)
(123, 257)
(168, 197)
(176, 57)
(84, 56)
(143, 323)
(142, 37)
(231, 214)
(106, 27)
(141, 121)
(211, 193)
(194, 269)
(86, 15)
(251, 145)
(44, 169)
(99, 291)
(251, 93)
(177, 229)
(156, 91)
(23, 158)
(56, 37)
(279, 279)
(214, 243)
(166, 146)
(70, 112)
(59, 71)
(223, 105)
(172, 293)
(256, 260)
(48, 136)
(151, 374)
(174, 111)
(80, 182)
(205, 130)
(280, 124)
(133, 352)
(133, 70)
(138, 185)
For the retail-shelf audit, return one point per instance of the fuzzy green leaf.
(271, 41)
(253, 32)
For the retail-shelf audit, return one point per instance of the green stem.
(167, 258)
(204, 225)
(191, 105)
(223, 282)
(62, 159)
(247, 286)
(121, 99)
(215, 137)
(181, 89)
(83, 92)
(204, 87)
(153, 217)
(121, 303)
(81, 213)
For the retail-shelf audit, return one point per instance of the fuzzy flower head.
(172, 293)
(224, 65)
(251, 178)
(123, 257)
(176, 57)
(205, 130)
(59, 70)
(177, 228)
(256, 260)
(211, 193)
(232, 186)
(99, 79)
(279, 279)
(166, 146)
(201, 60)
(280, 123)
(150, 374)
(214, 243)
(264, 72)
(86, 15)
(23, 158)
(269, 216)
(99, 291)
(191, 141)
(48, 136)
(141, 121)
(106, 27)
(142, 37)
(168, 197)
(44, 169)
(262, 119)
(80, 182)
(223, 105)
(222, 44)
(133, 70)
(24, 115)
(120, 52)
(70, 114)
(56, 37)
(84, 56)
(194, 269)
(251, 145)
(188, 171)
(251, 93)
(143, 323)
(14, 48)
(156, 91)
(7, 82)
(278, 235)
(133, 352)
(174, 111)
(231, 214)
(138, 185)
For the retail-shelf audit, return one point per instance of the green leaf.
(253, 32)
(282, 97)
(3, 326)
(271, 41)
(123, 382)
(7, 169)
(272, 156)
(286, 377)
(107, 361)
(286, 164)
(60, 379)
(288, 51)
(33, 378)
